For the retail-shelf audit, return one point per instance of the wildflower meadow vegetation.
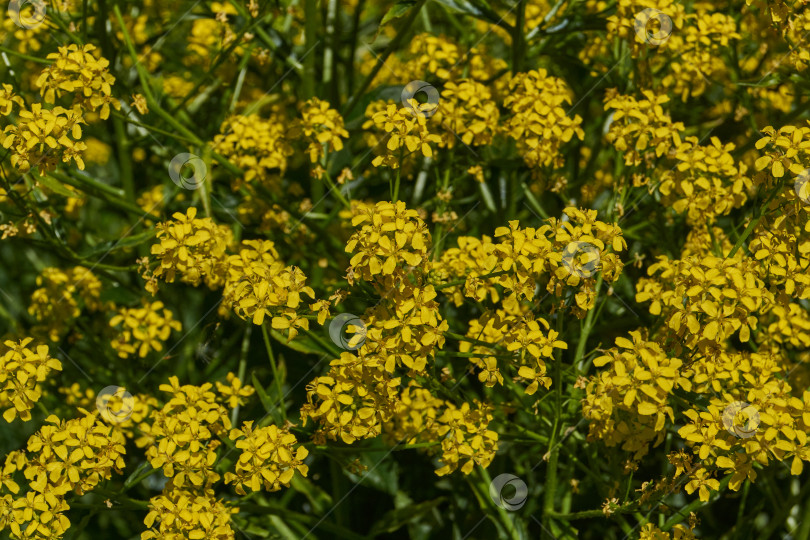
(452, 269)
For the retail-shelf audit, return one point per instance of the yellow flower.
(192, 247)
(269, 458)
(143, 329)
(391, 239)
(321, 126)
(235, 392)
(539, 122)
(42, 136)
(467, 112)
(76, 70)
(403, 133)
(21, 370)
(639, 126)
(256, 145)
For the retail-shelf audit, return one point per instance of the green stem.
(153, 129)
(242, 367)
(751, 226)
(395, 194)
(334, 188)
(463, 281)
(92, 189)
(597, 513)
(24, 56)
(392, 46)
(587, 327)
(553, 451)
(518, 37)
(124, 158)
(274, 368)
(311, 40)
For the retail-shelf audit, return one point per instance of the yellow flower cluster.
(260, 286)
(641, 126)
(752, 418)
(209, 34)
(628, 403)
(434, 55)
(235, 393)
(57, 465)
(143, 329)
(787, 150)
(321, 126)
(706, 182)
(60, 297)
(77, 71)
(467, 112)
(391, 240)
(465, 438)
(391, 251)
(269, 458)
(461, 433)
(255, 283)
(704, 300)
(256, 145)
(182, 438)
(572, 251)
(63, 457)
(28, 36)
(641, 28)
(8, 99)
(402, 131)
(539, 122)
(180, 514)
(352, 400)
(679, 532)
(41, 135)
(22, 369)
(700, 45)
(359, 393)
(430, 57)
(474, 257)
(195, 248)
(522, 342)
(179, 436)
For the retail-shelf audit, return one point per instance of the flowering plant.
(304, 269)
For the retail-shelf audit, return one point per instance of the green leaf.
(400, 517)
(382, 474)
(57, 187)
(301, 343)
(271, 408)
(320, 500)
(136, 473)
(465, 7)
(129, 241)
(397, 10)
